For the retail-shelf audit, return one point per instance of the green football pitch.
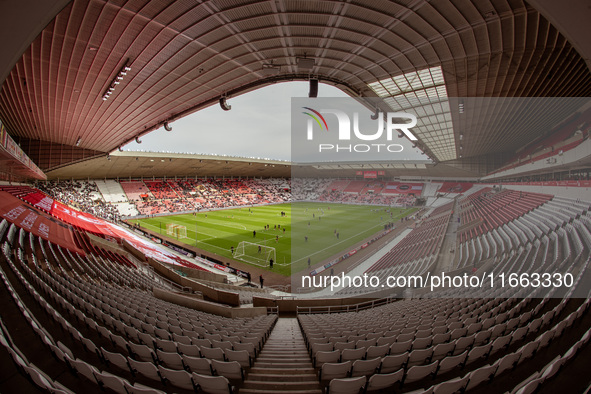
(308, 230)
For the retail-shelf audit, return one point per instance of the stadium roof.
(100, 74)
(160, 165)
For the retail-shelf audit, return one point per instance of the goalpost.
(255, 253)
(176, 230)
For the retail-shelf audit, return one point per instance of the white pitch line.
(346, 239)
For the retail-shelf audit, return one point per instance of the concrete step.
(284, 352)
(261, 391)
(280, 371)
(287, 364)
(291, 358)
(280, 386)
(275, 377)
(284, 364)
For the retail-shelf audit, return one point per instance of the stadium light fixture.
(167, 127)
(137, 139)
(376, 114)
(313, 93)
(78, 141)
(305, 64)
(117, 80)
(225, 106)
(270, 69)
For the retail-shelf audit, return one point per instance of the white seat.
(393, 363)
(545, 338)
(419, 357)
(419, 372)
(37, 377)
(138, 388)
(527, 350)
(451, 362)
(365, 367)
(389, 340)
(212, 353)
(482, 337)
(170, 360)
(188, 350)
(142, 352)
(401, 347)
(212, 384)
(249, 347)
(353, 354)
(518, 334)
(344, 345)
(452, 386)
(326, 357)
(144, 368)
(165, 345)
(177, 378)
(181, 339)
(478, 352)
(331, 371)
(346, 385)
(116, 359)
(377, 351)
(422, 343)
(443, 350)
(84, 369)
(480, 375)
(222, 344)
(110, 381)
(241, 356)
(463, 343)
(379, 381)
(507, 362)
(232, 370)
(198, 365)
(500, 343)
(440, 338)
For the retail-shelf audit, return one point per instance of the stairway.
(284, 365)
(446, 259)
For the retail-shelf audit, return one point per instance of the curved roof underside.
(185, 55)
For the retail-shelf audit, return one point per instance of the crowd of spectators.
(195, 194)
(190, 195)
(81, 195)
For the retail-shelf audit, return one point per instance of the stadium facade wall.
(583, 193)
(209, 293)
(290, 306)
(208, 307)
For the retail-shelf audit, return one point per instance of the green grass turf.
(218, 231)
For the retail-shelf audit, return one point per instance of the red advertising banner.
(552, 183)
(95, 225)
(358, 173)
(38, 223)
(370, 174)
(403, 188)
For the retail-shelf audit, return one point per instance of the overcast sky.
(258, 125)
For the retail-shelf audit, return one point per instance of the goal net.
(255, 253)
(176, 230)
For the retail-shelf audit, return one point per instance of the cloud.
(258, 125)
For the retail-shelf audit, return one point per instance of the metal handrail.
(344, 308)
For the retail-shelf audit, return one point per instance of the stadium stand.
(500, 93)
